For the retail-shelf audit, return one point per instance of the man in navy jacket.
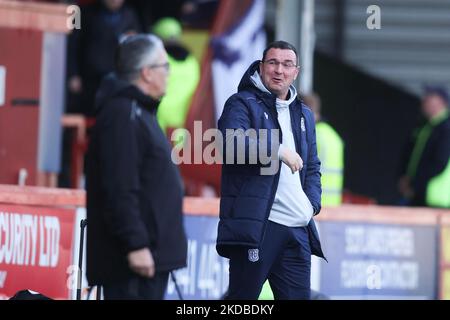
(266, 227)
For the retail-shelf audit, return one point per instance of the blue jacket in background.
(247, 195)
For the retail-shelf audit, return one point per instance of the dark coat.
(246, 195)
(134, 191)
(91, 48)
(433, 160)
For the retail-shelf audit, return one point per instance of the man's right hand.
(291, 158)
(141, 261)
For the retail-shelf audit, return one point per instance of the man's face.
(279, 70)
(158, 74)
(432, 104)
(113, 5)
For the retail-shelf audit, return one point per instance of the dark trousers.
(284, 258)
(138, 288)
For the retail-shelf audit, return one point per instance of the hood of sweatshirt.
(257, 81)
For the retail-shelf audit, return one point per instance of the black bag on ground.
(28, 295)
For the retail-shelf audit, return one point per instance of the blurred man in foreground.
(134, 191)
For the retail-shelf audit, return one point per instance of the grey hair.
(135, 52)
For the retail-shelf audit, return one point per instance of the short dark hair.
(437, 90)
(133, 53)
(280, 44)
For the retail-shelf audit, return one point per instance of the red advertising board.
(36, 246)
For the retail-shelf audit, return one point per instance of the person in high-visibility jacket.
(330, 148)
(183, 79)
(426, 175)
(438, 189)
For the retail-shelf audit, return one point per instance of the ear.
(146, 74)
(260, 67)
(297, 72)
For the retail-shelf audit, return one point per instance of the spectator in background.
(330, 149)
(199, 14)
(266, 225)
(90, 57)
(91, 50)
(134, 191)
(426, 174)
(183, 79)
(151, 11)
